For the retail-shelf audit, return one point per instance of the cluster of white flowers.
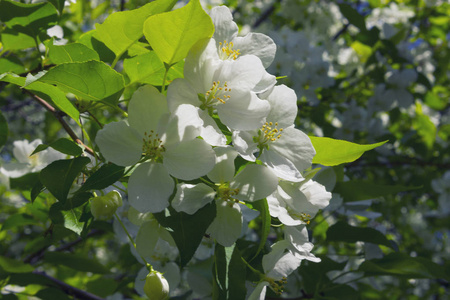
(183, 147)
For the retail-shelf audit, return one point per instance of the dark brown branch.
(59, 116)
(68, 289)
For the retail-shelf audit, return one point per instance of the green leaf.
(10, 265)
(263, 208)
(30, 18)
(343, 232)
(357, 190)
(187, 230)
(49, 93)
(90, 80)
(172, 34)
(402, 265)
(434, 101)
(26, 182)
(52, 293)
(424, 127)
(74, 52)
(11, 64)
(148, 68)
(16, 40)
(58, 4)
(62, 145)
(122, 29)
(75, 261)
(36, 190)
(4, 131)
(91, 42)
(331, 152)
(58, 176)
(18, 220)
(229, 273)
(353, 16)
(70, 214)
(102, 286)
(103, 178)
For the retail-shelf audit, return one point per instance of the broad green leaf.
(331, 152)
(62, 145)
(363, 51)
(4, 131)
(102, 286)
(30, 18)
(26, 182)
(353, 16)
(122, 29)
(75, 261)
(74, 52)
(58, 4)
(343, 232)
(103, 178)
(91, 42)
(90, 80)
(229, 273)
(48, 92)
(36, 190)
(433, 100)
(263, 208)
(402, 265)
(10, 265)
(67, 217)
(357, 190)
(18, 220)
(187, 230)
(172, 34)
(16, 40)
(148, 68)
(424, 127)
(314, 274)
(11, 64)
(58, 176)
(52, 293)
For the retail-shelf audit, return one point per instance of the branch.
(68, 289)
(265, 15)
(64, 124)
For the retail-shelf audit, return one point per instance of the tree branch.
(58, 115)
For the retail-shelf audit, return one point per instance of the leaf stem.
(163, 87)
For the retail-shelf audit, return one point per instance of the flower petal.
(119, 143)
(180, 91)
(189, 160)
(191, 197)
(211, 133)
(150, 187)
(244, 144)
(280, 165)
(257, 44)
(254, 182)
(184, 125)
(226, 227)
(224, 169)
(283, 106)
(224, 27)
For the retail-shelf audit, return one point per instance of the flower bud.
(104, 207)
(156, 286)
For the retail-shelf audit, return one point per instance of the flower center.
(225, 193)
(152, 146)
(304, 217)
(215, 95)
(277, 285)
(268, 133)
(227, 52)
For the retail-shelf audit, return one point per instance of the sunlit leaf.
(74, 52)
(75, 261)
(10, 265)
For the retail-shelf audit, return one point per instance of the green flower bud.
(104, 207)
(156, 286)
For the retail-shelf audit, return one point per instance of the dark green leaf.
(353, 16)
(51, 294)
(58, 4)
(31, 18)
(188, 230)
(75, 261)
(103, 177)
(62, 145)
(10, 265)
(122, 29)
(26, 182)
(356, 190)
(58, 176)
(91, 42)
(102, 286)
(4, 131)
(74, 52)
(90, 80)
(343, 232)
(263, 208)
(18, 220)
(402, 265)
(36, 190)
(11, 64)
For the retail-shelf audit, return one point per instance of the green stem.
(251, 268)
(149, 266)
(163, 87)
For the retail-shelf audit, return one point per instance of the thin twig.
(64, 124)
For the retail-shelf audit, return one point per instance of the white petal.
(280, 165)
(244, 112)
(191, 197)
(267, 82)
(180, 91)
(146, 238)
(224, 169)
(224, 27)
(244, 144)
(295, 146)
(259, 293)
(146, 107)
(189, 160)
(316, 194)
(15, 170)
(211, 133)
(184, 125)
(150, 187)
(242, 74)
(254, 182)
(283, 106)
(119, 143)
(226, 227)
(257, 44)
(278, 263)
(23, 149)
